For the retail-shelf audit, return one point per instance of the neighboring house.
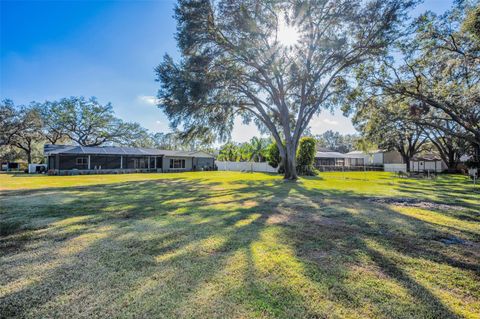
(112, 158)
(325, 157)
(390, 161)
(378, 157)
(428, 162)
(10, 166)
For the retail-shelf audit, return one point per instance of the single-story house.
(112, 158)
(325, 157)
(378, 157)
(429, 162)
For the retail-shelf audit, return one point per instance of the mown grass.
(239, 245)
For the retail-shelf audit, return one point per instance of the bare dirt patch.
(411, 202)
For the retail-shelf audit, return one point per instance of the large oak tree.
(89, 123)
(20, 127)
(388, 123)
(242, 58)
(436, 70)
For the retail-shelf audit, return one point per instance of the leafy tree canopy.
(235, 62)
(89, 123)
(336, 142)
(388, 123)
(229, 152)
(436, 72)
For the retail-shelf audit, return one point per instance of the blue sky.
(107, 49)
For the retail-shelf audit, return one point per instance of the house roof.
(118, 150)
(363, 153)
(331, 154)
(335, 155)
(426, 157)
(324, 149)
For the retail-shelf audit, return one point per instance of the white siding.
(166, 163)
(374, 159)
(420, 166)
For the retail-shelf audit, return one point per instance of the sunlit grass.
(243, 245)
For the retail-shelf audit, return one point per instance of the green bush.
(306, 156)
(273, 155)
(472, 164)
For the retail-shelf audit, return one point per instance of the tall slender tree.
(258, 149)
(277, 63)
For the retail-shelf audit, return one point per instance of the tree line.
(24, 129)
(267, 150)
(261, 149)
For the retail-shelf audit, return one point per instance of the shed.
(425, 163)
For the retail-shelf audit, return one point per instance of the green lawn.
(239, 245)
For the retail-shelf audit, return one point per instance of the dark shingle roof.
(117, 150)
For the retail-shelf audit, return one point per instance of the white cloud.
(331, 122)
(148, 99)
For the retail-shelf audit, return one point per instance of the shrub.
(51, 172)
(472, 164)
(306, 156)
(273, 155)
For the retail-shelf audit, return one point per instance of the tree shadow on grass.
(343, 237)
(187, 248)
(120, 221)
(453, 190)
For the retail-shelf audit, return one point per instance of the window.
(82, 161)
(177, 163)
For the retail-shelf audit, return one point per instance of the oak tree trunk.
(289, 162)
(406, 159)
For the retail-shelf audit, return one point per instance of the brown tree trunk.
(406, 159)
(290, 162)
(452, 162)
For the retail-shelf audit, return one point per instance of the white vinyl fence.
(35, 168)
(245, 166)
(395, 168)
